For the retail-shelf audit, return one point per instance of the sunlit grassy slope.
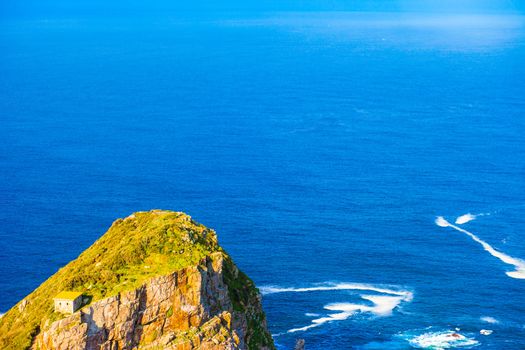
(136, 248)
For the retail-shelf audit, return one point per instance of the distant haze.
(98, 7)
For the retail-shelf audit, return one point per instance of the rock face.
(189, 309)
(161, 281)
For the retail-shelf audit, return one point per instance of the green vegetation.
(244, 296)
(134, 249)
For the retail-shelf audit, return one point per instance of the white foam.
(463, 219)
(382, 305)
(519, 264)
(486, 331)
(441, 340)
(440, 221)
(347, 311)
(265, 290)
(489, 319)
(347, 307)
(311, 314)
(340, 316)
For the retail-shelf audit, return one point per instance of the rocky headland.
(155, 280)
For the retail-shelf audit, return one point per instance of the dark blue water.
(320, 146)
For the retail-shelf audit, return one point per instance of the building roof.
(68, 295)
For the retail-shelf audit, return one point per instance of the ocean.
(321, 146)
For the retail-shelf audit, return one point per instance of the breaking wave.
(442, 340)
(463, 219)
(519, 264)
(382, 304)
(265, 290)
(429, 338)
(489, 319)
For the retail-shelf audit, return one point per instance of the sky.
(15, 8)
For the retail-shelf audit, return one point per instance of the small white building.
(68, 302)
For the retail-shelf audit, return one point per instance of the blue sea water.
(320, 146)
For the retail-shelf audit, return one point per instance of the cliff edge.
(155, 280)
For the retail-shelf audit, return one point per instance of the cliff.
(155, 280)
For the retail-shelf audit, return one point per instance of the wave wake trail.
(519, 264)
(337, 286)
(382, 304)
(463, 219)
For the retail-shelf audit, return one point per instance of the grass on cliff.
(134, 249)
(244, 295)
